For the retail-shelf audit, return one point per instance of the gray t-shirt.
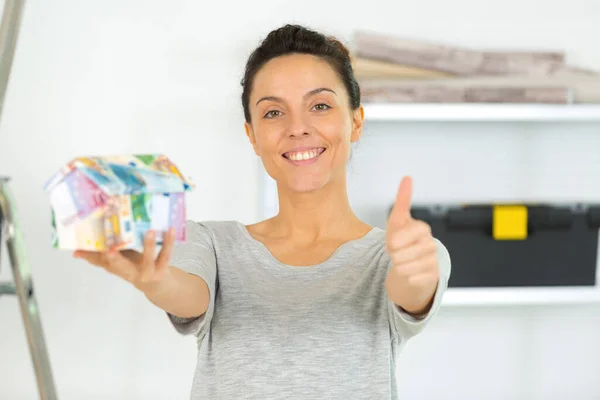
(275, 331)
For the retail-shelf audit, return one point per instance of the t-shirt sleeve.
(403, 324)
(196, 256)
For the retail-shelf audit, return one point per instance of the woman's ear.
(251, 137)
(358, 118)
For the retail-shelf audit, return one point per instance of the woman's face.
(302, 124)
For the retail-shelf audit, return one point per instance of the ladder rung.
(7, 288)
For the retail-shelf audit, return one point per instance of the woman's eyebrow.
(319, 90)
(271, 98)
(311, 93)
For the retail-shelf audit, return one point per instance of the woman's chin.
(305, 185)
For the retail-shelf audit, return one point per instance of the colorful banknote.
(101, 203)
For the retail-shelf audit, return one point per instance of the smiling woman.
(312, 303)
(302, 108)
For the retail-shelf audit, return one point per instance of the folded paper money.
(104, 203)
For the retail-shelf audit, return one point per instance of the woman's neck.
(317, 214)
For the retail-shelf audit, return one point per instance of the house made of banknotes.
(103, 203)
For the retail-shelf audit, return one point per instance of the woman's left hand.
(412, 281)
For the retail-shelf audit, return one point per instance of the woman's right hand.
(146, 271)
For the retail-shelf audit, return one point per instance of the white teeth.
(303, 155)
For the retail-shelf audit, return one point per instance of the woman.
(312, 303)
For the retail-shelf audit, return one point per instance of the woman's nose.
(298, 126)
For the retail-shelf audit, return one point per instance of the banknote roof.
(127, 174)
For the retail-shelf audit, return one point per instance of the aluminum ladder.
(10, 232)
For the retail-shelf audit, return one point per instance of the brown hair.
(299, 39)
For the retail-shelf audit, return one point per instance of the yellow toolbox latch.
(510, 222)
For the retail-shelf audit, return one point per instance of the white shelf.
(481, 112)
(455, 297)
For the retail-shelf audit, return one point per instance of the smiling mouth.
(304, 155)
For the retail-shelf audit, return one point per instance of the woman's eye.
(321, 107)
(272, 114)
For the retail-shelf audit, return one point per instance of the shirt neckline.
(301, 268)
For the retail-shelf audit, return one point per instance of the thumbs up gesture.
(412, 281)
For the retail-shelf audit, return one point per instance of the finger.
(423, 280)
(148, 255)
(414, 268)
(93, 257)
(400, 214)
(133, 255)
(407, 236)
(164, 257)
(119, 265)
(418, 250)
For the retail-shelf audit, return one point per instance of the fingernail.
(151, 235)
(111, 255)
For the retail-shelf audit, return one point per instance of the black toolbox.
(512, 245)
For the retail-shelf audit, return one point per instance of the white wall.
(99, 77)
